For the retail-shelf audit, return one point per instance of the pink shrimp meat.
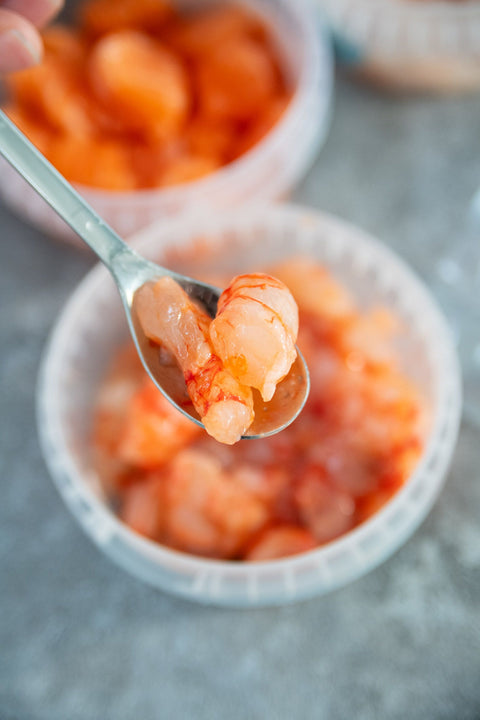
(255, 331)
(170, 318)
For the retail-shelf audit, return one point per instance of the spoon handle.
(59, 194)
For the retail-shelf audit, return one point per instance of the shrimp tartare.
(250, 343)
(351, 449)
(141, 94)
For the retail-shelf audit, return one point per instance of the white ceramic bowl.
(92, 326)
(268, 171)
(403, 44)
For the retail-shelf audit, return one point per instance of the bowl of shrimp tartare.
(152, 108)
(284, 518)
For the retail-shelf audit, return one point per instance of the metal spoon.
(130, 271)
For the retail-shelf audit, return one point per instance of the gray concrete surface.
(81, 640)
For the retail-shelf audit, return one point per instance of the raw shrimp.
(196, 34)
(325, 510)
(236, 81)
(100, 17)
(153, 429)
(170, 318)
(143, 82)
(143, 506)
(277, 542)
(255, 331)
(353, 447)
(207, 513)
(315, 290)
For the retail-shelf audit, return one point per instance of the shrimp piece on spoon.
(255, 331)
(170, 318)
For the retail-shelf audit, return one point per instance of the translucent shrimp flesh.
(170, 318)
(255, 331)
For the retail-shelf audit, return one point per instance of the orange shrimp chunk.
(207, 514)
(150, 160)
(125, 376)
(142, 81)
(197, 33)
(99, 17)
(315, 290)
(170, 318)
(236, 81)
(65, 44)
(153, 429)
(325, 510)
(263, 124)
(143, 507)
(255, 331)
(277, 542)
(371, 504)
(208, 139)
(111, 169)
(187, 168)
(51, 91)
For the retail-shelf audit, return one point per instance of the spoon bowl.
(130, 271)
(272, 417)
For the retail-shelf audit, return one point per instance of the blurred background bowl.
(407, 44)
(268, 171)
(92, 327)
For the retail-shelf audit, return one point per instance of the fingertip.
(38, 12)
(20, 43)
(17, 52)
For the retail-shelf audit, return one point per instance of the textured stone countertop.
(82, 640)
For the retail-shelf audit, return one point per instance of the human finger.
(39, 12)
(20, 43)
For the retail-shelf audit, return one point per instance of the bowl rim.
(316, 71)
(439, 447)
(408, 29)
